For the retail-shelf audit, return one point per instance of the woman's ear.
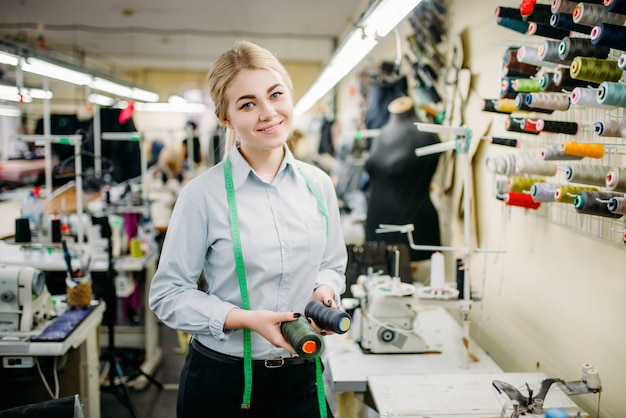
(226, 123)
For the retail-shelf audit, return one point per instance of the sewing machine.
(25, 300)
(386, 316)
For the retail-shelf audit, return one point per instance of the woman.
(283, 214)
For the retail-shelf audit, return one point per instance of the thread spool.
(549, 50)
(522, 200)
(510, 61)
(595, 70)
(615, 6)
(489, 105)
(617, 205)
(55, 229)
(515, 25)
(616, 179)
(508, 13)
(612, 94)
(592, 14)
(506, 88)
(22, 230)
(608, 35)
(585, 371)
(593, 380)
(519, 184)
(520, 105)
(546, 82)
(134, 246)
(437, 271)
(506, 105)
(554, 101)
(327, 317)
(570, 48)
(565, 194)
(566, 21)
(302, 337)
(529, 55)
(563, 79)
(507, 142)
(526, 85)
(610, 128)
(562, 6)
(621, 62)
(594, 203)
(594, 175)
(529, 125)
(554, 153)
(540, 13)
(547, 31)
(543, 192)
(515, 125)
(536, 167)
(583, 150)
(557, 127)
(587, 96)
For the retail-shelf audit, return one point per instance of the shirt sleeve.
(174, 295)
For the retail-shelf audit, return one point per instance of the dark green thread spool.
(302, 337)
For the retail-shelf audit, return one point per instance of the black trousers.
(213, 388)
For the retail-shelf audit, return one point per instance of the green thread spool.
(526, 85)
(302, 337)
(612, 93)
(519, 184)
(595, 70)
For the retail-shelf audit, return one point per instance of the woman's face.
(260, 109)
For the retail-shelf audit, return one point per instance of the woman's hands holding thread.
(264, 322)
(326, 295)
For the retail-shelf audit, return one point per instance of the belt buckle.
(274, 363)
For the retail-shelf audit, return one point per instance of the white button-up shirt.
(287, 251)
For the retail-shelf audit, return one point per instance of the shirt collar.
(241, 169)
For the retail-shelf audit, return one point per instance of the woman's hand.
(326, 294)
(264, 322)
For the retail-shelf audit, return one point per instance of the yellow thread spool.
(583, 150)
(520, 184)
(506, 105)
(565, 194)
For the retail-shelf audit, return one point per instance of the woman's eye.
(276, 94)
(247, 105)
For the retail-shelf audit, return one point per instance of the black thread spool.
(507, 142)
(329, 318)
(22, 230)
(547, 31)
(587, 202)
(615, 6)
(302, 337)
(566, 21)
(508, 13)
(491, 105)
(558, 127)
(609, 36)
(570, 48)
(55, 229)
(546, 81)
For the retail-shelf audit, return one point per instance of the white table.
(349, 367)
(457, 395)
(84, 338)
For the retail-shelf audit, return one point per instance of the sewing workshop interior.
(475, 152)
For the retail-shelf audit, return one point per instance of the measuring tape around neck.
(241, 276)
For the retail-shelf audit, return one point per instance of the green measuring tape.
(241, 276)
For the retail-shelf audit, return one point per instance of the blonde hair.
(243, 56)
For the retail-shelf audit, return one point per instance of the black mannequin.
(399, 181)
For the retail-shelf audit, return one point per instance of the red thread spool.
(522, 200)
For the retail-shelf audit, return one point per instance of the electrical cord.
(55, 394)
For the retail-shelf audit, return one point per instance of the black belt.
(270, 363)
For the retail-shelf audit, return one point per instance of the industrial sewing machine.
(25, 300)
(387, 318)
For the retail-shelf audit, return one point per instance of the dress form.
(399, 181)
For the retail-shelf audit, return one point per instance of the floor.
(152, 402)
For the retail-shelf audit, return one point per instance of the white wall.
(556, 299)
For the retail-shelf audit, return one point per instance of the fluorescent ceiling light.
(9, 59)
(101, 100)
(28, 94)
(111, 87)
(381, 19)
(387, 15)
(144, 95)
(46, 69)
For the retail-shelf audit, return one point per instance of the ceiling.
(115, 36)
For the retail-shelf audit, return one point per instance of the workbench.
(458, 395)
(82, 375)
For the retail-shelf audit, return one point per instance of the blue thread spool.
(615, 6)
(612, 93)
(326, 317)
(607, 35)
